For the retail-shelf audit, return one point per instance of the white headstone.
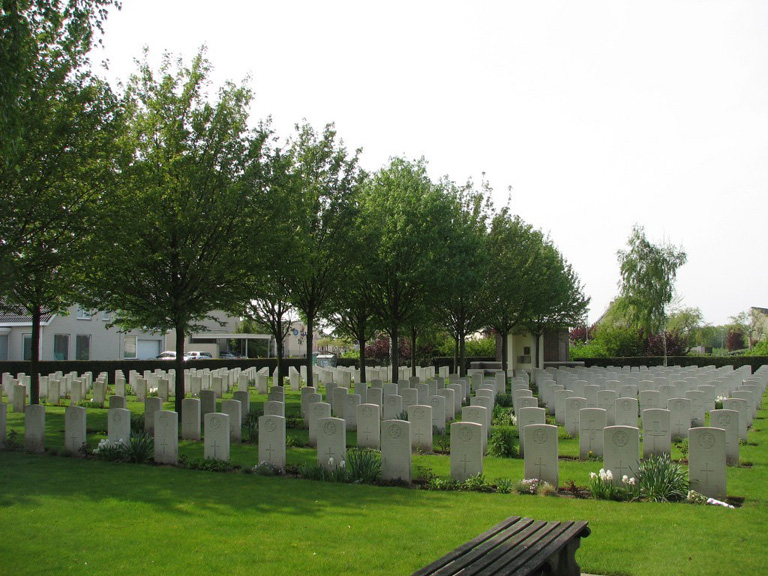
(728, 420)
(477, 415)
(626, 412)
(207, 402)
(396, 450)
(274, 408)
(420, 417)
(317, 411)
(466, 450)
(74, 428)
(233, 409)
(679, 417)
(621, 451)
(350, 410)
(34, 428)
(393, 407)
(152, 404)
(438, 404)
(217, 434)
(190, 419)
(657, 432)
(272, 440)
(706, 461)
(166, 437)
(331, 442)
(526, 417)
(592, 421)
(245, 403)
(338, 401)
(540, 460)
(573, 407)
(742, 408)
(118, 425)
(368, 430)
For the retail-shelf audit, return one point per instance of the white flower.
(330, 462)
(592, 475)
(625, 479)
(609, 476)
(631, 481)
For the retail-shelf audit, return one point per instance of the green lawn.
(68, 515)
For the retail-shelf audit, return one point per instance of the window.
(3, 346)
(26, 347)
(527, 350)
(83, 347)
(129, 347)
(61, 346)
(106, 316)
(83, 314)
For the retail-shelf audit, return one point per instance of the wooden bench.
(519, 546)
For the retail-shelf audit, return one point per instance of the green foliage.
(648, 273)
(251, 426)
(534, 486)
(363, 466)
(661, 480)
(137, 423)
(266, 469)
(505, 485)
(140, 448)
(504, 400)
(110, 451)
(602, 487)
(206, 464)
(477, 483)
(503, 443)
(502, 416)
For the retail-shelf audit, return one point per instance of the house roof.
(761, 310)
(10, 317)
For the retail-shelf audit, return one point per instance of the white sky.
(599, 115)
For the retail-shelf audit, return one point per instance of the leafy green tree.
(174, 243)
(460, 301)
(559, 301)
(648, 273)
(514, 250)
(321, 214)
(406, 213)
(686, 323)
(59, 125)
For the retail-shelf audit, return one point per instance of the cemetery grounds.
(61, 514)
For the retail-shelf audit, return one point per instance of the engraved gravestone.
(190, 419)
(540, 460)
(368, 426)
(216, 444)
(621, 451)
(331, 443)
(657, 432)
(466, 450)
(166, 437)
(272, 440)
(526, 417)
(396, 450)
(592, 421)
(706, 461)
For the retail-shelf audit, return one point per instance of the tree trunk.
(394, 344)
(664, 344)
(280, 345)
(310, 328)
(34, 358)
(456, 355)
(361, 340)
(179, 363)
(504, 350)
(463, 354)
(413, 351)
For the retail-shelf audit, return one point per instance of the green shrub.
(140, 447)
(266, 469)
(363, 465)
(206, 464)
(504, 485)
(661, 480)
(533, 486)
(504, 400)
(137, 423)
(503, 443)
(503, 416)
(111, 451)
(477, 483)
(251, 426)
(443, 485)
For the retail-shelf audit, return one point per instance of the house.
(78, 334)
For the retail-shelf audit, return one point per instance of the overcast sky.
(598, 115)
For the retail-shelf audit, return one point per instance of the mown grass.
(75, 516)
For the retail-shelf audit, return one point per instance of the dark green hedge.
(736, 361)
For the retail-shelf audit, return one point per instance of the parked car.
(196, 355)
(167, 355)
(229, 356)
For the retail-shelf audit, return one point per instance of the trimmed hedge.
(717, 361)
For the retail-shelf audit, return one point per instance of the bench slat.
(466, 547)
(516, 546)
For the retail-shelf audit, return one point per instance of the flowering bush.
(535, 486)
(111, 451)
(602, 487)
(661, 480)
